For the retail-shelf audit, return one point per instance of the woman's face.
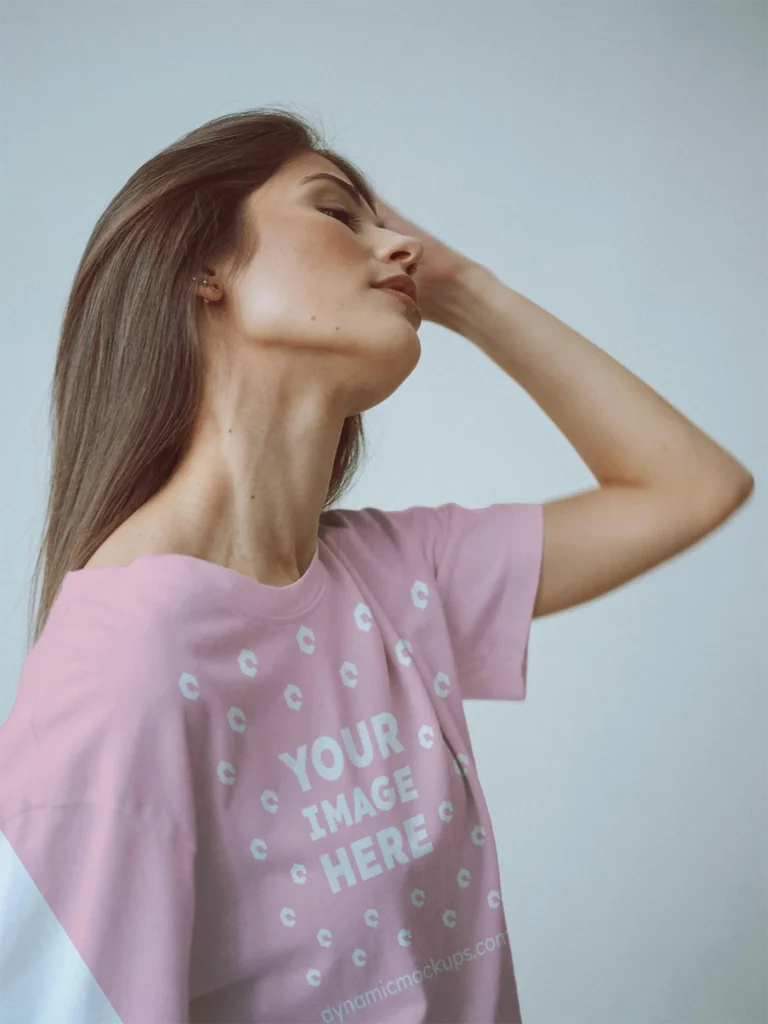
(307, 295)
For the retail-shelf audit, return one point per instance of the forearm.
(623, 430)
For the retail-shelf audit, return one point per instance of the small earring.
(205, 282)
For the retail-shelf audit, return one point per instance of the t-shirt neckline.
(211, 581)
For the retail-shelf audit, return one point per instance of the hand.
(439, 270)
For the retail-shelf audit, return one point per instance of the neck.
(250, 490)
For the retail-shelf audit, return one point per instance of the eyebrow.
(351, 191)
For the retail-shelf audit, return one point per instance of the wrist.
(465, 298)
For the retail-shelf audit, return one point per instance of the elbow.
(728, 495)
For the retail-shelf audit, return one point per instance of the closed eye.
(351, 219)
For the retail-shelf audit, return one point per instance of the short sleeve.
(487, 569)
(96, 917)
(97, 829)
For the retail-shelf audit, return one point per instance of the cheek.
(294, 302)
(298, 275)
(331, 262)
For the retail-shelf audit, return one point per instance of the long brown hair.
(129, 371)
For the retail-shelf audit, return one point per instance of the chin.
(386, 374)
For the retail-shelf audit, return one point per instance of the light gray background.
(608, 160)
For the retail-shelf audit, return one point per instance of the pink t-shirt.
(252, 803)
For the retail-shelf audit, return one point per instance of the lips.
(400, 283)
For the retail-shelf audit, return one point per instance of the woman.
(238, 769)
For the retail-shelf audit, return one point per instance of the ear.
(207, 289)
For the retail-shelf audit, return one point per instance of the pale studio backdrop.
(608, 160)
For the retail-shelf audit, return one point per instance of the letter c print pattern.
(398, 828)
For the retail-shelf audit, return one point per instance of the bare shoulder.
(114, 551)
(138, 535)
